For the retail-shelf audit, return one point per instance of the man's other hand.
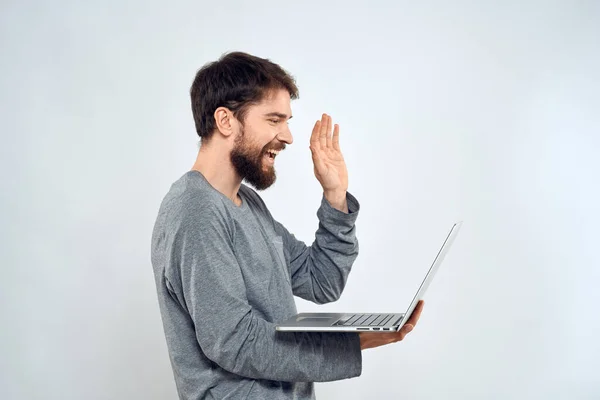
(370, 339)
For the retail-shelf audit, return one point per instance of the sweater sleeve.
(230, 333)
(319, 272)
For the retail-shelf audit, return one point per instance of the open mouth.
(271, 154)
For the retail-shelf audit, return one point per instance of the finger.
(336, 137)
(314, 138)
(405, 330)
(416, 314)
(317, 161)
(323, 133)
(329, 145)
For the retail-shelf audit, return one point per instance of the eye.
(275, 121)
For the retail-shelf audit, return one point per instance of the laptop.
(360, 322)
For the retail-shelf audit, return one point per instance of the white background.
(486, 112)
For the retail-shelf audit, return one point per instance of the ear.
(225, 121)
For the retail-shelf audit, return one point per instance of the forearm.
(253, 348)
(319, 272)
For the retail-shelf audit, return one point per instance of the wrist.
(337, 199)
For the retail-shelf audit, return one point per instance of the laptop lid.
(431, 273)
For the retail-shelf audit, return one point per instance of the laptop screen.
(432, 270)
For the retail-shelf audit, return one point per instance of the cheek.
(260, 136)
(271, 140)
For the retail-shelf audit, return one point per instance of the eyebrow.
(278, 115)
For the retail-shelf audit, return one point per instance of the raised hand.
(329, 165)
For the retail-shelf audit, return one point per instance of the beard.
(248, 163)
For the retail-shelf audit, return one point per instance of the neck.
(215, 165)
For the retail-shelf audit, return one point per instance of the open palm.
(330, 167)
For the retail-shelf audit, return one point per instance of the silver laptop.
(379, 322)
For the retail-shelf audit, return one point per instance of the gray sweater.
(225, 275)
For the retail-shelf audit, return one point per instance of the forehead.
(276, 101)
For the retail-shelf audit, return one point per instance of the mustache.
(277, 148)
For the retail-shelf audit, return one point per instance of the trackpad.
(312, 319)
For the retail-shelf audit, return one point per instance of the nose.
(286, 135)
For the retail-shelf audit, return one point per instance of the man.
(226, 271)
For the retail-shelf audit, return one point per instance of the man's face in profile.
(264, 133)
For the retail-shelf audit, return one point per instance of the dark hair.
(236, 81)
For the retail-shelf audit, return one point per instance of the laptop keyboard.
(366, 320)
